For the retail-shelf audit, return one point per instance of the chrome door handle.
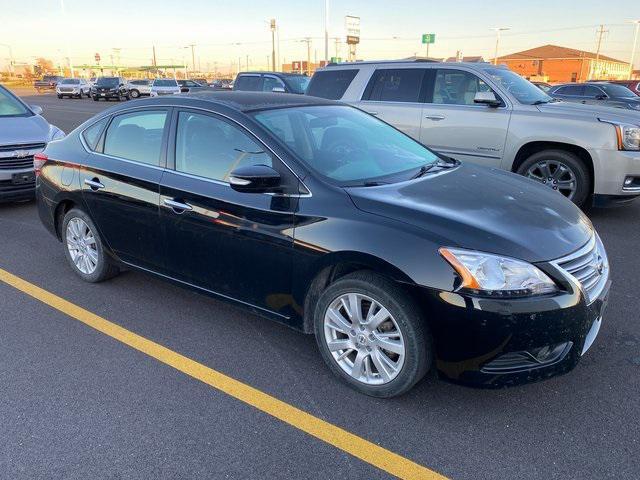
(435, 117)
(93, 184)
(177, 207)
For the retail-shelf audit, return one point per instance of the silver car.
(165, 86)
(73, 88)
(139, 88)
(23, 133)
(492, 116)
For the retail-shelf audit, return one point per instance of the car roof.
(249, 101)
(403, 63)
(279, 74)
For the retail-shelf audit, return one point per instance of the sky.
(228, 31)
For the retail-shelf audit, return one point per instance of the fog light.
(628, 181)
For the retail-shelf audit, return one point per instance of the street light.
(498, 30)
(633, 47)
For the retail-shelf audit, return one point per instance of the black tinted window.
(269, 83)
(397, 85)
(591, 91)
(136, 136)
(249, 83)
(92, 134)
(570, 90)
(212, 148)
(331, 84)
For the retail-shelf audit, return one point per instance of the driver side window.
(457, 87)
(209, 147)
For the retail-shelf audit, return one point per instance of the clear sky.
(226, 30)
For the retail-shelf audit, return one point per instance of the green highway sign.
(428, 38)
(336, 59)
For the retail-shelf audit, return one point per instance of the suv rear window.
(247, 83)
(395, 85)
(331, 84)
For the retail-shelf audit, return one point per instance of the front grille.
(528, 359)
(16, 163)
(7, 186)
(66, 89)
(22, 146)
(19, 157)
(589, 266)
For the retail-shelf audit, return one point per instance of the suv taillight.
(39, 159)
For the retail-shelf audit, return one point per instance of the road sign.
(97, 57)
(336, 59)
(352, 25)
(428, 38)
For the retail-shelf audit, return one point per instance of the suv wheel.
(84, 248)
(371, 334)
(134, 93)
(560, 170)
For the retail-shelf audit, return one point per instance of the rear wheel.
(561, 171)
(371, 334)
(84, 248)
(134, 93)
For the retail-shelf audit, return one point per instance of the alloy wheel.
(555, 175)
(364, 339)
(82, 246)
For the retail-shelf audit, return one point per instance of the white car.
(165, 86)
(73, 87)
(139, 88)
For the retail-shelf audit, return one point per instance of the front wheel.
(59, 96)
(561, 171)
(84, 248)
(372, 335)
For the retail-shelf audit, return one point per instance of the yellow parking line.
(348, 442)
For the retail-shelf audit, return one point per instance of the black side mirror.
(254, 179)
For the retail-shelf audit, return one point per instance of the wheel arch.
(336, 265)
(531, 148)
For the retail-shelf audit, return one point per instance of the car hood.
(18, 130)
(483, 209)
(591, 111)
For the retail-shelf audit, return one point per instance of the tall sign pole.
(633, 48)
(352, 25)
(273, 44)
(326, 31)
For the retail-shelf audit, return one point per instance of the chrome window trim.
(242, 127)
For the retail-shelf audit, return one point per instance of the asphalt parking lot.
(77, 403)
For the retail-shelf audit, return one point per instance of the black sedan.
(596, 93)
(322, 217)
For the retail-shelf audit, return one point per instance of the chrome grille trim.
(589, 266)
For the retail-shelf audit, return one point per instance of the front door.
(235, 244)
(455, 126)
(120, 185)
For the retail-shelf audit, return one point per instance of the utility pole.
(193, 57)
(326, 31)
(633, 47)
(272, 25)
(155, 64)
(498, 30)
(308, 42)
(601, 32)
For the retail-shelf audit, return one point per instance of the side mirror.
(486, 98)
(278, 90)
(601, 97)
(37, 109)
(254, 179)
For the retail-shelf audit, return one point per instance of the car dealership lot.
(81, 404)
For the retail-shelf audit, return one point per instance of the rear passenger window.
(570, 90)
(457, 87)
(92, 134)
(136, 136)
(395, 85)
(247, 83)
(331, 84)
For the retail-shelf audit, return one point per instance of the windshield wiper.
(441, 163)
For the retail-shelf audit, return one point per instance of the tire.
(134, 93)
(533, 167)
(60, 96)
(95, 99)
(405, 318)
(104, 268)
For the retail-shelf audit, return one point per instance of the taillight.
(39, 159)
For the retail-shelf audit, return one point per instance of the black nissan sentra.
(322, 217)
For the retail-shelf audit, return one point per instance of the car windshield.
(11, 106)
(297, 83)
(107, 81)
(346, 145)
(165, 83)
(523, 90)
(70, 81)
(616, 90)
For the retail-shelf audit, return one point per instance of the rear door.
(232, 243)
(452, 124)
(120, 184)
(396, 95)
(248, 83)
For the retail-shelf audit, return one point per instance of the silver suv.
(139, 88)
(492, 116)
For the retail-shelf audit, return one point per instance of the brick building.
(553, 63)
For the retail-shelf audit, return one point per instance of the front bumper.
(10, 190)
(489, 342)
(611, 168)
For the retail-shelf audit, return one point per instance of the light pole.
(498, 30)
(272, 25)
(633, 47)
(326, 31)
(308, 42)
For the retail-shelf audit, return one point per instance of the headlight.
(628, 136)
(493, 275)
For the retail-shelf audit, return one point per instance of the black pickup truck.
(48, 82)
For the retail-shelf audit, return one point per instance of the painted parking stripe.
(333, 435)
